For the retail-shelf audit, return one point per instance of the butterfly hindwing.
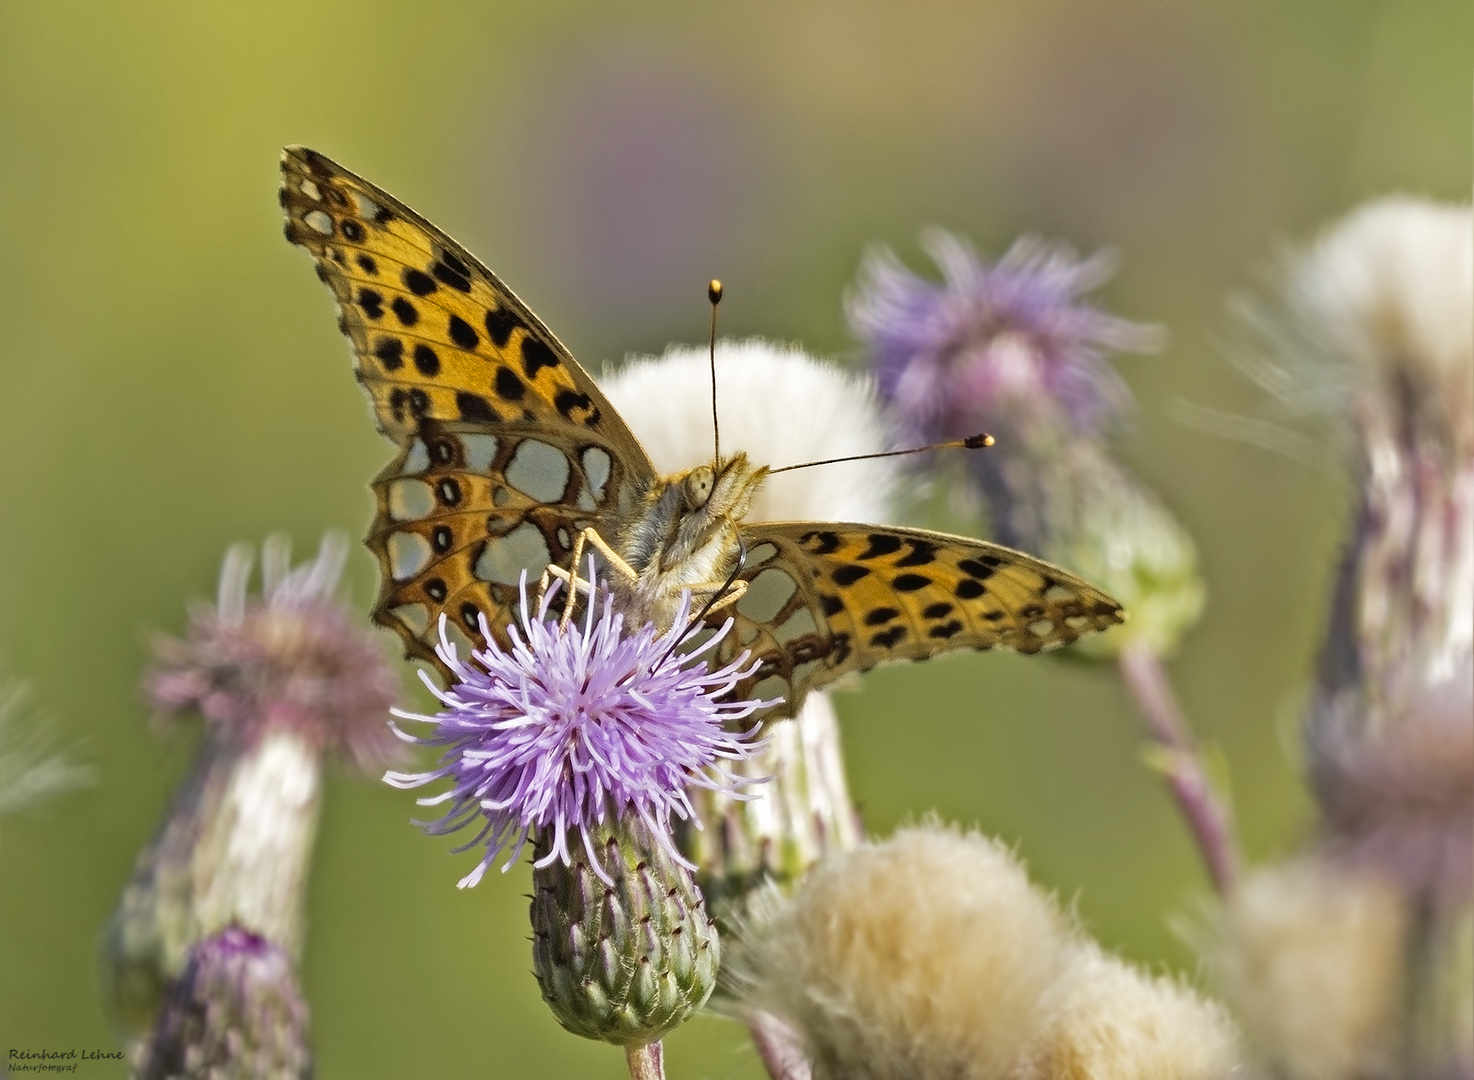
(462, 512)
(826, 599)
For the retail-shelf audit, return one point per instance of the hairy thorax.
(685, 536)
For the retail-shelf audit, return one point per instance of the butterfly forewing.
(826, 599)
(436, 335)
(508, 448)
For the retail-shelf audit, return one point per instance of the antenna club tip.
(714, 291)
(978, 442)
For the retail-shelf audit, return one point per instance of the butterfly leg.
(735, 591)
(615, 560)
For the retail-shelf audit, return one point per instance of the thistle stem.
(778, 1047)
(646, 1062)
(1203, 809)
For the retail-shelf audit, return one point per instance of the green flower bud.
(623, 952)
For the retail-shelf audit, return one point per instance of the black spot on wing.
(946, 630)
(535, 355)
(367, 264)
(974, 568)
(353, 230)
(881, 544)
(831, 604)
(442, 537)
(451, 271)
(849, 574)
(508, 386)
(880, 616)
(937, 610)
(471, 616)
(475, 407)
(887, 639)
(922, 552)
(419, 282)
(371, 303)
(405, 311)
(461, 333)
(567, 401)
(909, 582)
(419, 403)
(390, 352)
(968, 589)
(426, 361)
(821, 543)
(435, 589)
(499, 325)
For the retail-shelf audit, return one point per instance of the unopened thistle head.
(1015, 348)
(571, 726)
(236, 1013)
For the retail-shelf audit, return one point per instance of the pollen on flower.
(570, 726)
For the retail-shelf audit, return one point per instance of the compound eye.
(698, 487)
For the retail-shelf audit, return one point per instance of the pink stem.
(1206, 813)
(646, 1062)
(779, 1048)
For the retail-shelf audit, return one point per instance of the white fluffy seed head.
(1308, 954)
(1390, 289)
(922, 957)
(1109, 1021)
(779, 404)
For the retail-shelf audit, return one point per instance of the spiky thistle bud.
(622, 947)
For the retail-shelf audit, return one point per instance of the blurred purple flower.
(966, 353)
(569, 726)
(293, 658)
(235, 1011)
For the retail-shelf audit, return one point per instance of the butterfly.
(511, 460)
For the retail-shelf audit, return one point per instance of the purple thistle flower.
(961, 355)
(569, 726)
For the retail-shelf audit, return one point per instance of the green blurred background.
(172, 382)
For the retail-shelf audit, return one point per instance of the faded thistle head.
(292, 658)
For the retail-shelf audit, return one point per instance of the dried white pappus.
(925, 956)
(1110, 1021)
(779, 404)
(1309, 955)
(1392, 285)
(931, 956)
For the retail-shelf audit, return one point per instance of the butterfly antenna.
(972, 442)
(714, 294)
